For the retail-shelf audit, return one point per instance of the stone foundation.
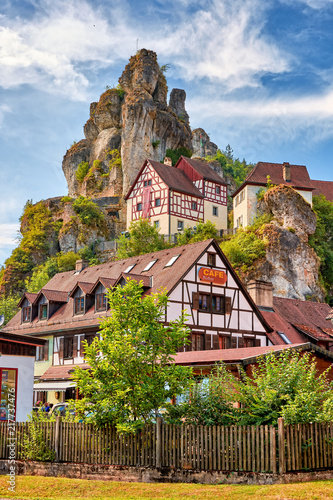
(153, 475)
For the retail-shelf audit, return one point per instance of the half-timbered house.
(198, 277)
(174, 198)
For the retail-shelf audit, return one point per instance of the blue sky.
(258, 75)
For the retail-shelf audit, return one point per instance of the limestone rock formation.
(133, 118)
(290, 263)
(201, 144)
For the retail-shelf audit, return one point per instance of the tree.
(210, 401)
(8, 306)
(286, 385)
(132, 374)
(141, 238)
(202, 231)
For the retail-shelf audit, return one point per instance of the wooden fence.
(234, 448)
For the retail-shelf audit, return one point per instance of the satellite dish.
(2, 319)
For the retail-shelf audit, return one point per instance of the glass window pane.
(8, 384)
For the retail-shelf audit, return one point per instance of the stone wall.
(153, 475)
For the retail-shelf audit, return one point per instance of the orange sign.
(212, 275)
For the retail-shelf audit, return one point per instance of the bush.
(88, 212)
(175, 154)
(34, 446)
(82, 171)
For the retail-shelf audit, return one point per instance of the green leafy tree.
(203, 231)
(88, 212)
(286, 385)
(209, 402)
(141, 238)
(175, 154)
(132, 374)
(231, 166)
(8, 306)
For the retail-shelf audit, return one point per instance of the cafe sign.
(215, 276)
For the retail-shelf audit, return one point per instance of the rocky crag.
(290, 263)
(128, 124)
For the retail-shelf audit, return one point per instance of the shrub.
(175, 154)
(88, 212)
(82, 171)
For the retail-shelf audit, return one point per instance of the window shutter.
(208, 341)
(61, 348)
(195, 301)
(257, 343)
(75, 345)
(240, 342)
(227, 305)
(46, 351)
(216, 342)
(233, 342)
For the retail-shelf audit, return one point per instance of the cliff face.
(134, 119)
(290, 263)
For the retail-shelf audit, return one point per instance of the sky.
(258, 75)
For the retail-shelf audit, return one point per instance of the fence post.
(159, 442)
(57, 438)
(282, 446)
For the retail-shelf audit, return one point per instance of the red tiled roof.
(300, 178)
(281, 324)
(61, 372)
(137, 277)
(323, 187)
(175, 179)
(85, 287)
(203, 169)
(52, 295)
(309, 318)
(27, 295)
(228, 355)
(330, 315)
(329, 331)
(163, 278)
(106, 282)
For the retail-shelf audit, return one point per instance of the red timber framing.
(182, 205)
(147, 194)
(237, 325)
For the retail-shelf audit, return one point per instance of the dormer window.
(79, 305)
(26, 314)
(101, 302)
(43, 311)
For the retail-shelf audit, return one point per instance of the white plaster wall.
(221, 220)
(25, 382)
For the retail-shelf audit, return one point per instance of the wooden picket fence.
(235, 448)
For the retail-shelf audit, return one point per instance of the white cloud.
(222, 41)
(8, 234)
(225, 44)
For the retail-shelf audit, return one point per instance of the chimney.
(81, 264)
(286, 172)
(168, 161)
(261, 292)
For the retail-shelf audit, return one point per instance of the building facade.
(245, 197)
(175, 198)
(199, 279)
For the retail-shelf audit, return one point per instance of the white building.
(245, 197)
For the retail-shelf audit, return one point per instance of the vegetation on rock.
(322, 242)
(247, 245)
(175, 154)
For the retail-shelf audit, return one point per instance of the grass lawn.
(49, 488)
